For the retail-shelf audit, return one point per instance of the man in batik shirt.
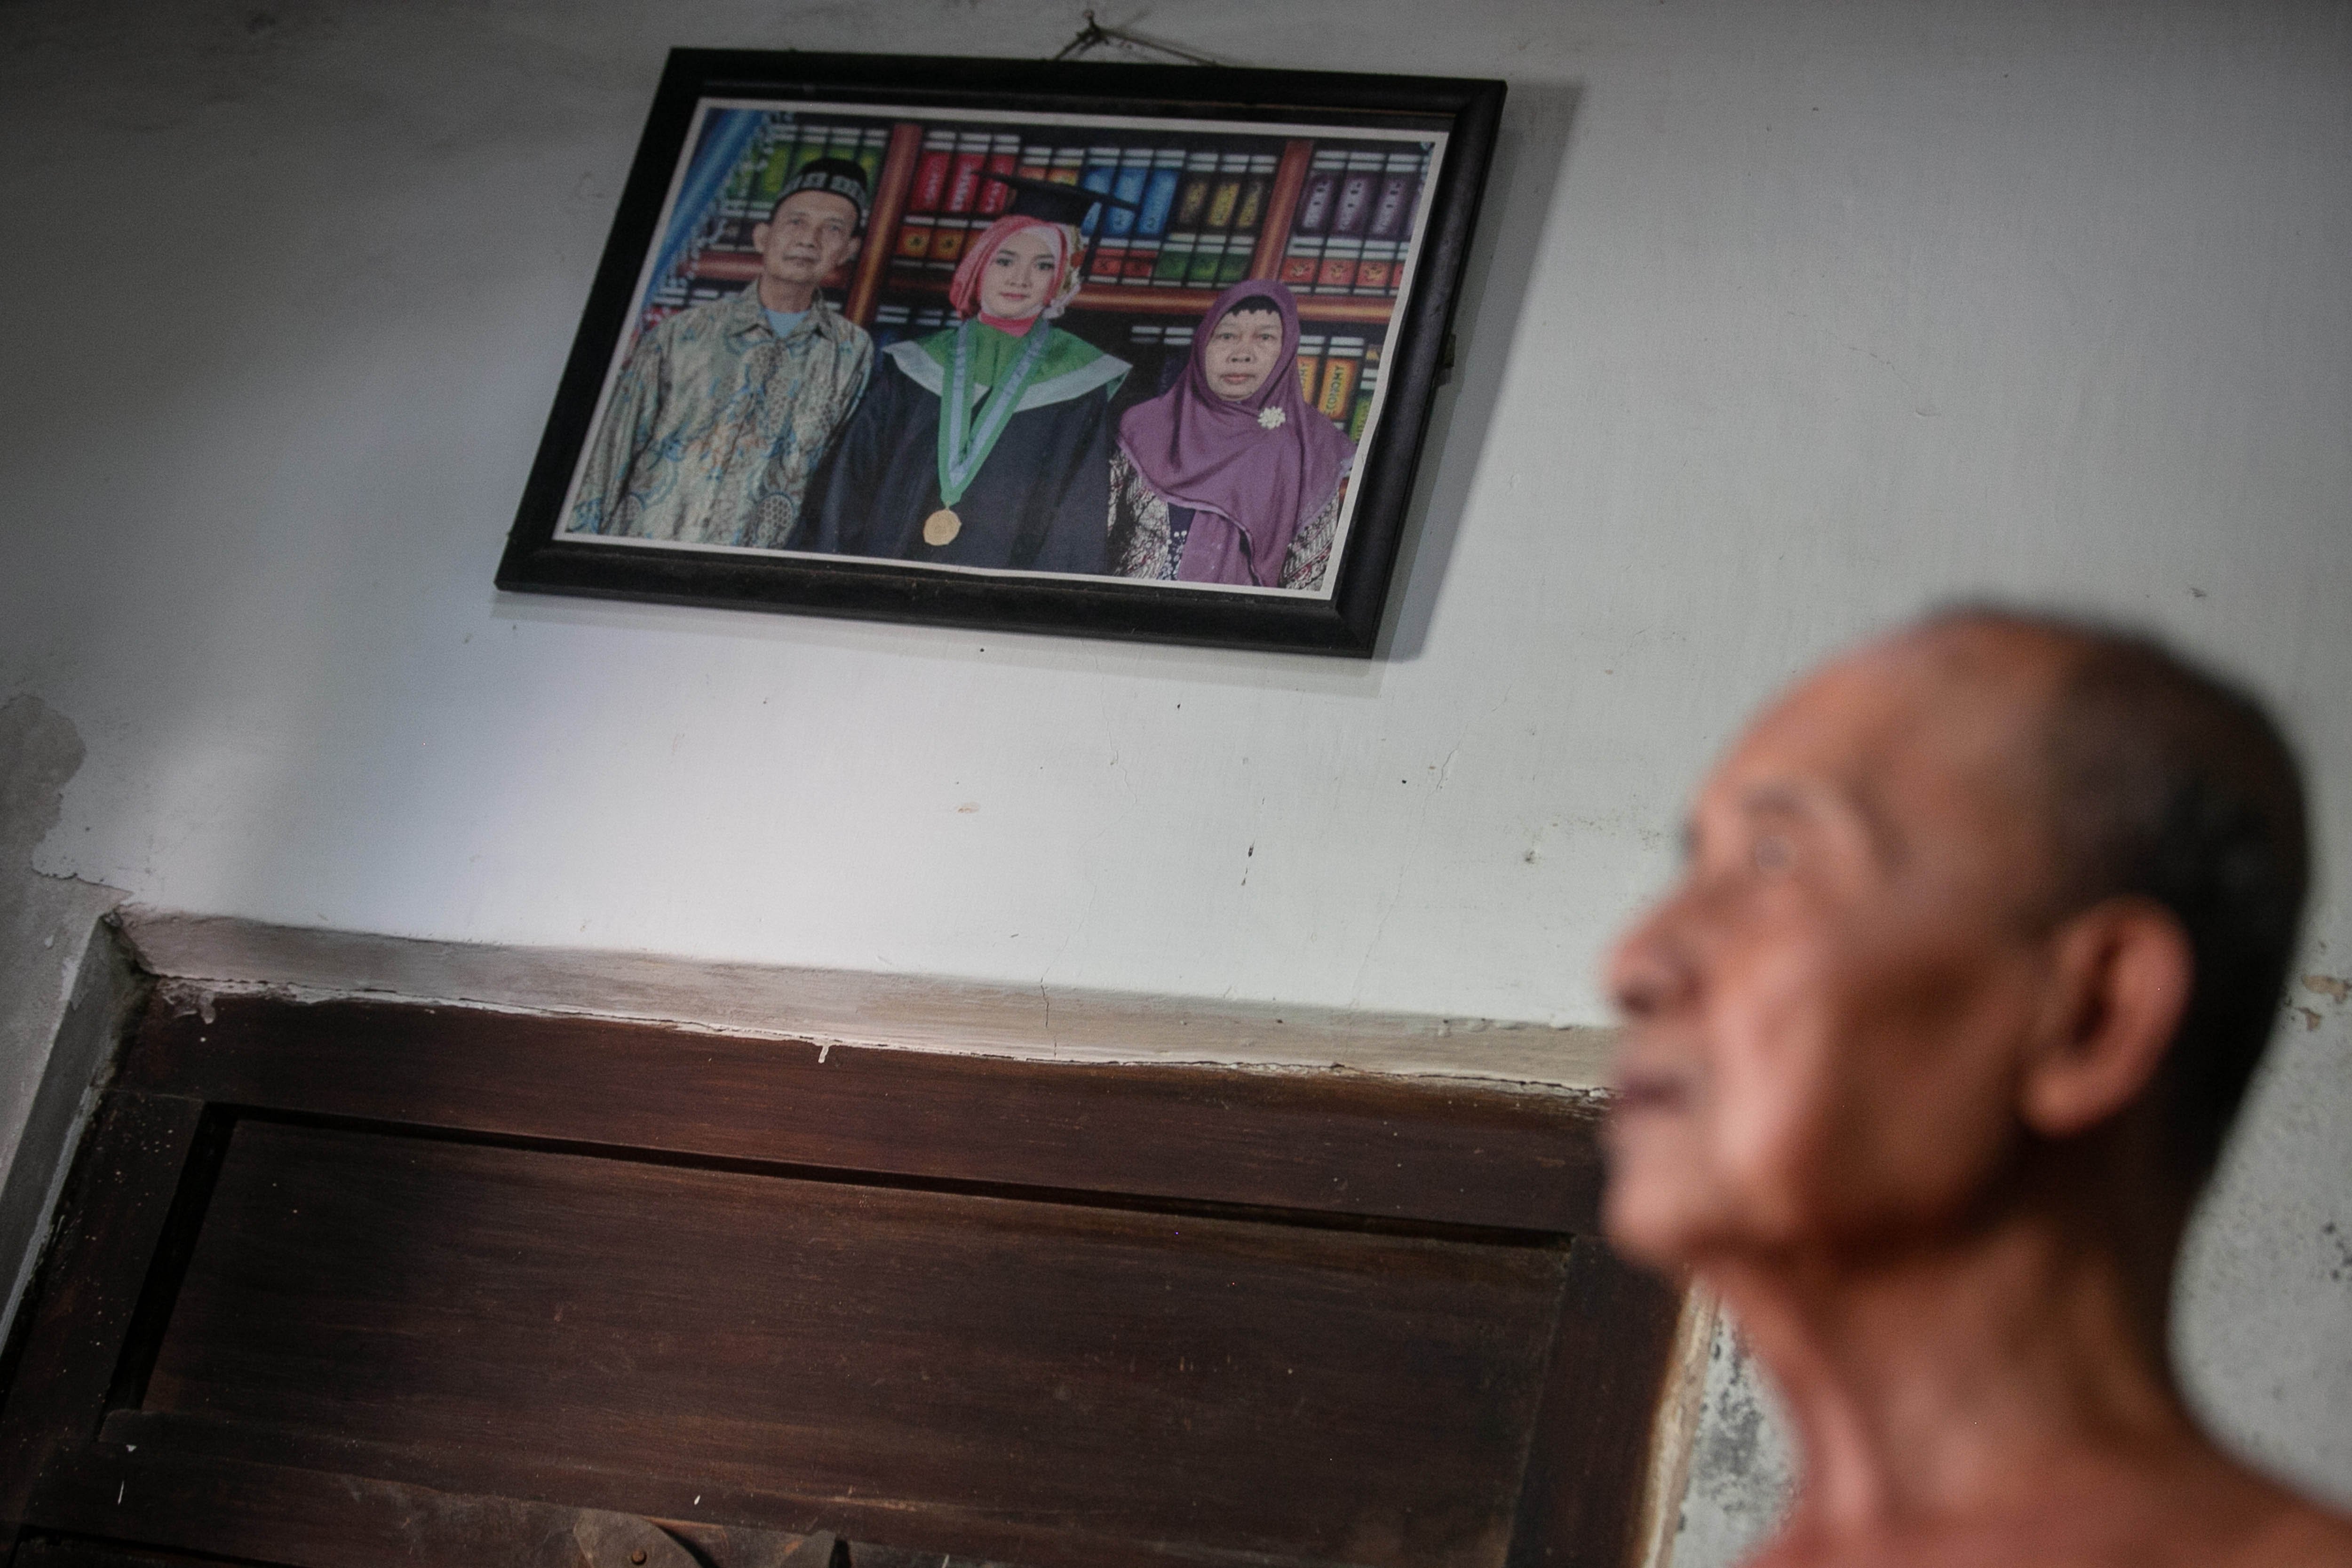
(723, 409)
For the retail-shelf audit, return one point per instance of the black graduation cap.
(1058, 203)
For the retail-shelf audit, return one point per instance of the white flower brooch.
(1269, 419)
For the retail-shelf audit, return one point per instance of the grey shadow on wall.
(1530, 150)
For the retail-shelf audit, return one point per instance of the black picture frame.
(539, 559)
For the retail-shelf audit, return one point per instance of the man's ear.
(2124, 969)
(759, 237)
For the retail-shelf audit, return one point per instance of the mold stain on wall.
(45, 920)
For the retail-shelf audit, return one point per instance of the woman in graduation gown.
(1229, 477)
(987, 444)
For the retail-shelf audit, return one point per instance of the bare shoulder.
(2218, 1512)
(2299, 1535)
(2227, 1517)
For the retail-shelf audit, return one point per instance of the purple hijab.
(1239, 473)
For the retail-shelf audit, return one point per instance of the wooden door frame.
(108, 1274)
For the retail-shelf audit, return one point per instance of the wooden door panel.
(985, 1354)
(991, 1311)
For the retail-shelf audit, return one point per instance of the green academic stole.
(965, 442)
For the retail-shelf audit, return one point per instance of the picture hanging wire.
(1095, 35)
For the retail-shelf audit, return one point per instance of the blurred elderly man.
(715, 424)
(1928, 1055)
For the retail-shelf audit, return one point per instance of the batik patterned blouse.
(716, 423)
(1147, 534)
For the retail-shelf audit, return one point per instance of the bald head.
(1979, 889)
(2160, 781)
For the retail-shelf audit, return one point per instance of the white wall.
(1785, 317)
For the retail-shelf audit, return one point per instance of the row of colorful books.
(1354, 222)
(1196, 219)
(1195, 214)
(1192, 219)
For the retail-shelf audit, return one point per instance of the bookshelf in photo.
(1331, 218)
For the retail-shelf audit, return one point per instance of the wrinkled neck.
(1964, 1375)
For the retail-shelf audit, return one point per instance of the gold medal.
(941, 527)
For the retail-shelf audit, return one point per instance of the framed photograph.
(1111, 350)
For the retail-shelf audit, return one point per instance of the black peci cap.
(833, 176)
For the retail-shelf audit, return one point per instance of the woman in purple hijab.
(1228, 476)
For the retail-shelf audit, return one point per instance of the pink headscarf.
(1260, 467)
(963, 289)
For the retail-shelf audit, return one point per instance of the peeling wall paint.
(1741, 1465)
(1784, 317)
(45, 921)
(62, 986)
